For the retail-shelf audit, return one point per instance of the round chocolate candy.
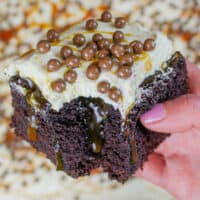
(114, 94)
(87, 53)
(103, 86)
(104, 43)
(105, 63)
(52, 35)
(91, 24)
(117, 50)
(97, 37)
(78, 39)
(137, 46)
(102, 53)
(72, 61)
(106, 16)
(120, 22)
(70, 76)
(118, 36)
(58, 85)
(92, 45)
(43, 46)
(127, 59)
(93, 71)
(65, 52)
(149, 44)
(128, 49)
(53, 65)
(124, 72)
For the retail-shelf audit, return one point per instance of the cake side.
(63, 135)
(157, 89)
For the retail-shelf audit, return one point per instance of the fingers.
(194, 78)
(177, 115)
(183, 145)
(153, 169)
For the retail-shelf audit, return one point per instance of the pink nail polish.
(157, 113)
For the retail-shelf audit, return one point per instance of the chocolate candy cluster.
(102, 53)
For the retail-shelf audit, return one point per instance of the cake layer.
(87, 132)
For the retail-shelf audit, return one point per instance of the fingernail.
(156, 114)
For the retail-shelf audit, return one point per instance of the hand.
(175, 164)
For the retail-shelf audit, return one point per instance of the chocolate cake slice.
(79, 95)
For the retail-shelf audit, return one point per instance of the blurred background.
(26, 174)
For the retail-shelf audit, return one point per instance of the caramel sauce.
(27, 54)
(187, 36)
(125, 41)
(6, 35)
(96, 171)
(130, 107)
(139, 57)
(133, 152)
(96, 112)
(34, 97)
(55, 43)
(41, 25)
(31, 10)
(32, 134)
(103, 7)
(144, 56)
(54, 8)
(9, 137)
(148, 65)
(59, 164)
(89, 13)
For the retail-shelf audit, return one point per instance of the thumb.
(178, 115)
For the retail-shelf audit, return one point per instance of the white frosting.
(34, 67)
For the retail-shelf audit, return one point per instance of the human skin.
(175, 164)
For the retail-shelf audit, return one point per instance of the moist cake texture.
(79, 95)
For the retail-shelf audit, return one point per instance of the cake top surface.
(105, 58)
